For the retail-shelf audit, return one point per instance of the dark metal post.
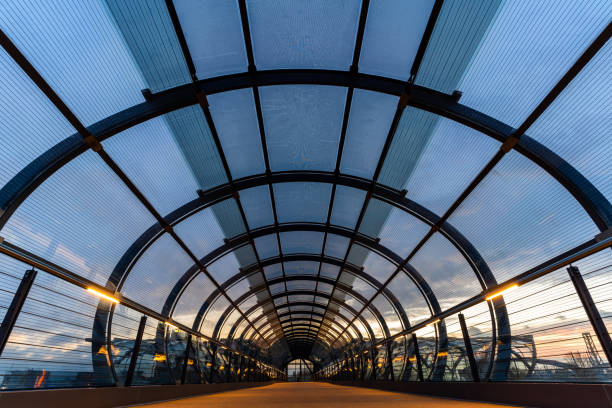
(391, 375)
(468, 349)
(135, 351)
(417, 354)
(591, 311)
(186, 359)
(16, 304)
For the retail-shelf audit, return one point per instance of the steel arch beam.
(302, 303)
(26, 181)
(304, 257)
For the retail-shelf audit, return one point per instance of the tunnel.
(297, 203)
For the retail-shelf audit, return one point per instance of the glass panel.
(301, 268)
(238, 289)
(303, 124)
(324, 288)
(277, 288)
(394, 324)
(191, 299)
(357, 284)
(401, 232)
(213, 314)
(533, 216)
(257, 206)
(224, 268)
(329, 270)
(446, 271)
(156, 272)
(348, 202)
(202, 231)
(147, 29)
(81, 201)
(266, 246)
(213, 33)
(150, 157)
(300, 285)
(369, 123)
(410, 297)
(236, 123)
(30, 123)
(596, 271)
(526, 51)
(72, 54)
(375, 265)
(302, 202)
(301, 242)
(576, 125)
(336, 246)
(273, 271)
(453, 156)
(392, 36)
(452, 46)
(298, 34)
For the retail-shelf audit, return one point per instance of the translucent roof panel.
(81, 201)
(301, 242)
(301, 268)
(257, 206)
(303, 124)
(191, 299)
(213, 33)
(446, 271)
(368, 126)
(373, 264)
(382, 304)
(401, 232)
(76, 47)
(393, 32)
(267, 246)
(149, 154)
(452, 46)
(347, 206)
(202, 232)
(410, 297)
(577, 125)
(298, 34)
(147, 30)
(224, 268)
(336, 246)
(451, 159)
(30, 124)
(155, 273)
(526, 51)
(236, 123)
(302, 202)
(533, 217)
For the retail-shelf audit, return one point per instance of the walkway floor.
(310, 394)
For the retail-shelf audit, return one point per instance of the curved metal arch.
(37, 171)
(26, 181)
(320, 306)
(302, 303)
(300, 257)
(313, 293)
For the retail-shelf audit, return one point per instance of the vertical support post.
(135, 351)
(213, 362)
(417, 354)
(591, 310)
(16, 304)
(468, 349)
(186, 360)
(391, 375)
(374, 352)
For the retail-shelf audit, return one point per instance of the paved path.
(320, 395)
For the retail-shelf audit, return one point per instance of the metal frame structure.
(300, 338)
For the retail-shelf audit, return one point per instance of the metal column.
(468, 349)
(186, 360)
(417, 354)
(591, 311)
(135, 351)
(16, 304)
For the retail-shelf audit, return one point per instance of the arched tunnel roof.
(298, 180)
